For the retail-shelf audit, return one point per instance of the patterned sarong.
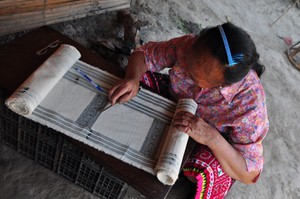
(157, 83)
(212, 181)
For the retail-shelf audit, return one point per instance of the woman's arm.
(128, 88)
(153, 56)
(230, 159)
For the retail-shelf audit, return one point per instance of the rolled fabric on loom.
(35, 88)
(170, 159)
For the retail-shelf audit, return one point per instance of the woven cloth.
(58, 96)
(131, 132)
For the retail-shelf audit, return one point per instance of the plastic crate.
(88, 173)
(9, 132)
(29, 124)
(27, 137)
(110, 187)
(85, 172)
(48, 147)
(27, 142)
(7, 113)
(8, 125)
(70, 160)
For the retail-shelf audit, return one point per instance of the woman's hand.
(128, 88)
(124, 91)
(194, 126)
(230, 159)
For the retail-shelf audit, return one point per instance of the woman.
(219, 69)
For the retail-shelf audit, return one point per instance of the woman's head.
(210, 45)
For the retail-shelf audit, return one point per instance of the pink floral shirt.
(238, 111)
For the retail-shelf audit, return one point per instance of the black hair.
(239, 42)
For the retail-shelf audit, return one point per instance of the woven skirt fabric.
(212, 181)
(157, 83)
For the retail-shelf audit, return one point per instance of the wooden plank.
(87, 6)
(18, 27)
(34, 5)
(67, 10)
(55, 13)
(83, 5)
(12, 7)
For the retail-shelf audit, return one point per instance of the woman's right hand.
(124, 91)
(128, 88)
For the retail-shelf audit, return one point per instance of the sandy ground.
(21, 178)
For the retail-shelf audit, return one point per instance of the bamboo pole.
(55, 11)
(10, 7)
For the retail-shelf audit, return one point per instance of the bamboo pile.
(18, 15)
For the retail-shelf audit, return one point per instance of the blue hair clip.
(236, 58)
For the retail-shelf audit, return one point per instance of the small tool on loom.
(108, 105)
(89, 79)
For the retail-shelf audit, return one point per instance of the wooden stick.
(289, 7)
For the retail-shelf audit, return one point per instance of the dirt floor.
(22, 178)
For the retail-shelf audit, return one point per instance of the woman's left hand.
(194, 126)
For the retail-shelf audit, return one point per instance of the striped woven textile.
(132, 132)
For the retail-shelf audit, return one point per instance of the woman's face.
(205, 70)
